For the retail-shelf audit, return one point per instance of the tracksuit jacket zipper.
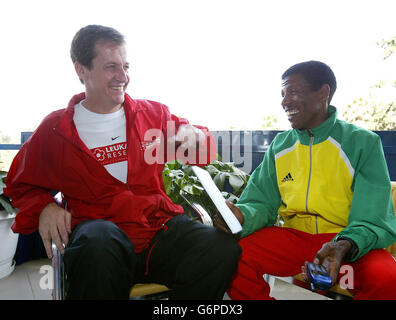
(309, 176)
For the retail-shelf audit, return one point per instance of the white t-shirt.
(105, 136)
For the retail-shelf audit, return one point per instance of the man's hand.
(219, 222)
(330, 256)
(190, 145)
(236, 211)
(189, 137)
(54, 225)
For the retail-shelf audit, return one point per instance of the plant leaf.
(236, 182)
(211, 169)
(180, 179)
(219, 180)
(5, 203)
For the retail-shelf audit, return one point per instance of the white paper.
(218, 199)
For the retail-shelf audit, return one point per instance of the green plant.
(182, 186)
(5, 203)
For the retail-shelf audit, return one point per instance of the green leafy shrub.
(5, 203)
(182, 186)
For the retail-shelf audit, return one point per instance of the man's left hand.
(189, 137)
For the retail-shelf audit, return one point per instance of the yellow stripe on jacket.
(315, 186)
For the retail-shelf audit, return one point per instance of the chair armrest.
(202, 214)
(58, 291)
(140, 290)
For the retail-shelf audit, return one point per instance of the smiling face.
(305, 108)
(106, 81)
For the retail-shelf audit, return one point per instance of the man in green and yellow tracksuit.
(329, 182)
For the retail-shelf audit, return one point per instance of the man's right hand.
(236, 211)
(54, 225)
(221, 224)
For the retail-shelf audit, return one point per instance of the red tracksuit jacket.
(55, 158)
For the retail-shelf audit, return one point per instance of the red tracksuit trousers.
(282, 251)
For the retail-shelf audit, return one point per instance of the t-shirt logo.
(111, 154)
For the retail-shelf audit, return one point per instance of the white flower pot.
(8, 244)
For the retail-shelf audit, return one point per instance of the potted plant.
(8, 239)
(184, 188)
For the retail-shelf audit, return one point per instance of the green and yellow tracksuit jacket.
(330, 179)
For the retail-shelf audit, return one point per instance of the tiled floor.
(24, 284)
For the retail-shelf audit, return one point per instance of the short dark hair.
(83, 44)
(316, 73)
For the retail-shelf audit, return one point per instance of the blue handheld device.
(319, 277)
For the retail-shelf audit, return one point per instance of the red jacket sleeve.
(29, 184)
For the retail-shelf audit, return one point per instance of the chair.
(59, 280)
(146, 290)
(58, 291)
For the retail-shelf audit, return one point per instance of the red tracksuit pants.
(282, 251)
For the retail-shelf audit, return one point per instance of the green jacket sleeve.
(372, 222)
(260, 200)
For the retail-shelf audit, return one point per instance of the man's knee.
(225, 249)
(99, 238)
(374, 276)
(97, 230)
(99, 261)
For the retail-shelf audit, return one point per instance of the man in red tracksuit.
(105, 152)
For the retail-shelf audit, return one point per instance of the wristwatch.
(352, 252)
